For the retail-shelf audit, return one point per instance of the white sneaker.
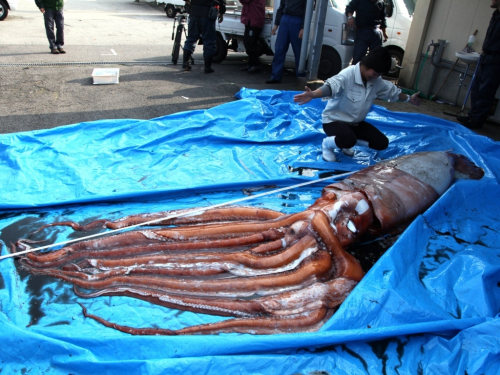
(348, 151)
(328, 154)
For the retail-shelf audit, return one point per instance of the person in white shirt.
(351, 94)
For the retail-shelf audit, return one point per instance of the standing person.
(53, 13)
(253, 15)
(290, 20)
(351, 94)
(487, 76)
(202, 17)
(370, 25)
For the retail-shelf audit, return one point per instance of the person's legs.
(343, 133)
(192, 38)
(296, 42)
(251, 46)
(484, 88)
(59, 21)
(375, 39)
(194, 34)
(246, 43)
(367, 132)
(208, 35)
(280, 49)
(209, 44)
(361, 45)
(339, 135)
(48, 17)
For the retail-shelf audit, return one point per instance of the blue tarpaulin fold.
(429, 305)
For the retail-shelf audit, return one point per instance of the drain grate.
(91, 63)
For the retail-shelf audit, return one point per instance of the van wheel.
(220, 49)
(4, 10)
(397, 60)
(329, 63)
(170, 10)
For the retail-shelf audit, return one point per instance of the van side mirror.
(348, 35)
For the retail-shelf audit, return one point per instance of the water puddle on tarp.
(41, 289)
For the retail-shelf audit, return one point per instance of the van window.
(389, 6)
(340, 4)
(409, 4)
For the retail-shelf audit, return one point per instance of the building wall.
(451, 21)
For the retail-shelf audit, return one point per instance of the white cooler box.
(105, 76)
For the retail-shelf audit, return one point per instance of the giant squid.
(271, 272)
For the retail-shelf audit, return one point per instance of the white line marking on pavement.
(113, 53)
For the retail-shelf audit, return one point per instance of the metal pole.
(470, 87)
(317, 43)
(462, 79)
(305, 36)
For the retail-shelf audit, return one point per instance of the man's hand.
(220, 17)
(351, 24)
(42, 10)
(414, 99)
(385, 35)
(304, 98)
(301, 33)
(273, 31)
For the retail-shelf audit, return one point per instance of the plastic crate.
(105, 76)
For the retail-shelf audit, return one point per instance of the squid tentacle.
(316, 267)
(101, 250)
(182, 234)
(305, 322)
(226, 214)
(329, 295)
(246, 258)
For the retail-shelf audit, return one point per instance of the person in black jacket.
(370, 25)
(202, 17)
(487, 77)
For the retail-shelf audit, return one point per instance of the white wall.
(450, 20)
(456, 20)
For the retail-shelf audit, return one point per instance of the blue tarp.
(430, 305)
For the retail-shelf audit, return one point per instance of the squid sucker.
(271, 272)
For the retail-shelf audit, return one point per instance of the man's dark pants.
(288, 33)
(366, 38)
(484, 87)
(250, 40)
(56, 17)
(201, 27)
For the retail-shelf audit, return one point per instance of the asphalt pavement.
(39, 90)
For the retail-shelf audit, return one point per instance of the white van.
(399, 16)
(337, 46)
